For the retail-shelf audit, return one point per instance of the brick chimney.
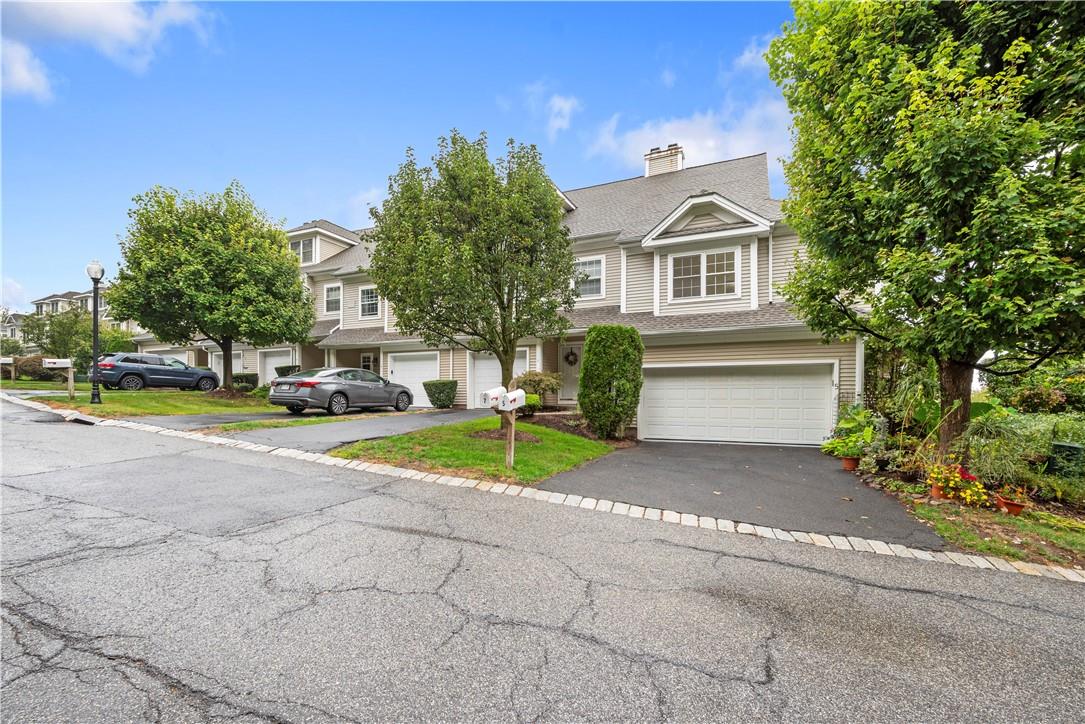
(665, 160)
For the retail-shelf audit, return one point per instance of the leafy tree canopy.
(937, 179)
(474, 253)
(69, 335)
(210, 266)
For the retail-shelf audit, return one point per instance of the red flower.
(965, 475)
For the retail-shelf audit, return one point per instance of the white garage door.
(216, 363)
(486, 373)
(412, 369)
(180, 356)
(777, 404)
(269, 361)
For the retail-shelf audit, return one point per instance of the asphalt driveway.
(321, 438)
(793, 488)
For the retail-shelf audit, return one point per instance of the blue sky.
(311, 106)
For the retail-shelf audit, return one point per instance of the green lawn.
(21, 384)
(1035, 535)
(116, 403)
(451, 449)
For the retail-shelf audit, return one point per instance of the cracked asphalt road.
(156, 578)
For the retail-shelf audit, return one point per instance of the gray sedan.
(337, 389)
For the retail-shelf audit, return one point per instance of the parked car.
(131, 371)
(337, 389)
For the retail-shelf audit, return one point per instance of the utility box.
(492, 397)
(512, 400)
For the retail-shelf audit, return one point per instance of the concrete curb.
(836, 542)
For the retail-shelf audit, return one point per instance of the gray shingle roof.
(61, 295)
(363, 336)
(323, 328)
(345, 262)
(634, 207)
(325, 225)
(770, 315)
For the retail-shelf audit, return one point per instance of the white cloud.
(753, 55)
(23, 74)
(560, 111)
(668, 78)
(759, 125)
(14, 295)
(359, 204)
(128, 33)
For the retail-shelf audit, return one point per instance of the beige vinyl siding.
(329, 248)
(389, 317)
(701, 221)
(638, 282)
(783, 260)
(249, 361)
(843, 352)
(458, 372)
(762, 271)
(612, 277)
(707, 304)
(351, 293)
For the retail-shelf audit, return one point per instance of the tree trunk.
(227, 347)
(955, 387)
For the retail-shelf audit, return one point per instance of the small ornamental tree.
(210, 267)
(60, 335)
(474, 253)
(10, 346)
(938, 181)
(610, 378)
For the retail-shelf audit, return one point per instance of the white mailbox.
(512, 400)
(56, 364)
(492, 398)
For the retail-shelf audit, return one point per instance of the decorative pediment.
(705, 217)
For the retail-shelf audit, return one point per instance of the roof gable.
(703, 217)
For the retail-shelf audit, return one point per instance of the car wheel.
(403, 401)
(131, 383)
(109, 387)
(206, 384)
(338, 404)
(295, 409)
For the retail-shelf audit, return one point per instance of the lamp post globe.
(95, 271)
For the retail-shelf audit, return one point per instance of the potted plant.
(849, 448)
(1011, 500)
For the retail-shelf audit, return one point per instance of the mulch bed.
(499, 434)
(574, 424)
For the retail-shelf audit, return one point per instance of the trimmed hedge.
(246, 378)
(287, 370)
(610, 378)
(243, 387)
(441, 393)
(538, 383)
(34, 368)
(532, 404)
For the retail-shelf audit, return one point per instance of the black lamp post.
(95, 271)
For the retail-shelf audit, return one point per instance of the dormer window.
(304, 249)
(705, 274)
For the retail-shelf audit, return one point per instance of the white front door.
(269, 361)
(569, 362)
(768, 404)
(411, 369)
(486, 373)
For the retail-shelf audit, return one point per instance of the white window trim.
(704, 297)
(602, 259)
(339, 311)
(368, 316)
(316, 250)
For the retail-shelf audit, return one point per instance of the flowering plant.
(956, 482)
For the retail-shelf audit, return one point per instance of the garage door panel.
(486, 372)
(781, 404)
(411, 370)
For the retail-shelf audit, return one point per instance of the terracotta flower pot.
(1012, 507)
(936, 491)
(850, 463)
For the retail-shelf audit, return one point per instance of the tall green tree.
(10, 346)
(69, 335)
(473, 253)
(937, 180)
(210, 266)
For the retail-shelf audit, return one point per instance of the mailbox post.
(62, 364)
(506, 403)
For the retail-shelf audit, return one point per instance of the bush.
(441, 393)
(1040, 398)
(532, 404)
(243, 387)
(610, 378)
(32, 367)
(539, 383)
(246, 378)
(287, 370)
(262, 391)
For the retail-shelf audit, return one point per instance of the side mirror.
(384, 380)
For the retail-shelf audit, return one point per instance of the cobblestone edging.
(836, 542)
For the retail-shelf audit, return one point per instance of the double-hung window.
(368, 303)
(304, 249)
(705, 274)
(589, 271)
(333, 299)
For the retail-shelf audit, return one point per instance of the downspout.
(772, 227)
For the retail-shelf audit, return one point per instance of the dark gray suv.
(337, 389)
(131, 371)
